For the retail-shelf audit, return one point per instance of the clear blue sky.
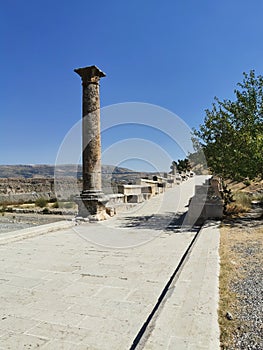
(176, 54)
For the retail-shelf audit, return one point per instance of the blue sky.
(175, 54)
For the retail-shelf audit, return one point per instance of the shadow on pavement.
(168, 222)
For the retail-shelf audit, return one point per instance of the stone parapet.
(207, 202)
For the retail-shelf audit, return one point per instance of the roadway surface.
(94, 285)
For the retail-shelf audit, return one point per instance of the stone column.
(91, 201)
(174, 168)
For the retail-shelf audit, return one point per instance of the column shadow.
(168, 222)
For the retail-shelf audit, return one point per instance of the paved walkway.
(94, 285)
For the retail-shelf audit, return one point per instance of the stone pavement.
(94, 285)
(188, 317)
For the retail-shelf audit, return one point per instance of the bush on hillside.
(41, 202)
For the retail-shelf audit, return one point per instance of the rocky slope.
(26, 183)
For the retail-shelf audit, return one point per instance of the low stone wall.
(21, 190)
(152, 184)
(146, 188)
(207, 202)
(19, 198)
(26, 190)
(22, 185)
(133, 193)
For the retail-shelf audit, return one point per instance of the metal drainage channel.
(141, 337)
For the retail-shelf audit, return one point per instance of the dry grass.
(243, 194)
(231, 263)
(241, 204)
(228, 299)
(254, 186)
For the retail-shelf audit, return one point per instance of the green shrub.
(45, 211)
(243, 199)
(258, 197)
(41, 202)
(240, 204)
(247, 182)
(3, 209)
(66, 205)
(53, 200)
(55, 205)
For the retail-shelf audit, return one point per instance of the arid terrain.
(241, 283)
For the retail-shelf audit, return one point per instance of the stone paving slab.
(188, 318)
(65, 303)
(13, 236)
(64, 291)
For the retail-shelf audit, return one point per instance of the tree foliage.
(232, 133)
(182, 165)
(197, 158)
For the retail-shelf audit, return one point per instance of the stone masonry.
(91, 201)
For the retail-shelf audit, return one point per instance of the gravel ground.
(14, 221)
(250, 297)
(245, 248)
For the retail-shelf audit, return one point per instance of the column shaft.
(91, 201)
(91, 143)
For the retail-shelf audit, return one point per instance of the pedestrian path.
(94, 285)
(188, 317)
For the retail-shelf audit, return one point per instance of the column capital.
(90, 74)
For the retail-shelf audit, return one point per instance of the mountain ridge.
(47, 170)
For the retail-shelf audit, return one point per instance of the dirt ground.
(241, 283)
(16, 221)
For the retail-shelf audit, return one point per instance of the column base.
(91, 205)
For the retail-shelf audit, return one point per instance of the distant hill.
(117, 174)
(43, 170)
(26, 171)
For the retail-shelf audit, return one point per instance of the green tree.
(232, 133)
(182, 165)
(197, 158)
